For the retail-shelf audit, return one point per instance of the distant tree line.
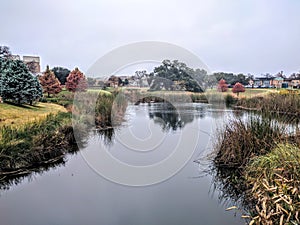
(175, 75)
(232, 78)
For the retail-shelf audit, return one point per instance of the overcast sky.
(249, 36)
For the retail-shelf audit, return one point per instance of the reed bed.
(138, 96)
(287, 103)
(102, 110)
(259, 155)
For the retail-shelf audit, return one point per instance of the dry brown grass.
(275, 183)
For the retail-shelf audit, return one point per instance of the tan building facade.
(16, 57)
(33, 63)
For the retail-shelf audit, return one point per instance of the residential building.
(263, 82)
(293, 82)
(33, 63)
(277, 82)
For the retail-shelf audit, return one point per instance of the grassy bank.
(15, 115)
(35, 143)
(31, 136)
(259, 156)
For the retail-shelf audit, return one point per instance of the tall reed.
(92, 108)
(241, 139)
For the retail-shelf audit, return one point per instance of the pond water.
(78, 193)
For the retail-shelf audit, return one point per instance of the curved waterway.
(80, 192)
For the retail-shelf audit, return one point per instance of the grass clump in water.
(240, 140)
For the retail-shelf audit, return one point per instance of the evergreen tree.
(126, 82)
(17, 83)
(34, 91)
(76, 81)
(5, 52)
(5, 55)
(61, 73)
(50, 83)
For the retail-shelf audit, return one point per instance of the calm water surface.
(75, 194)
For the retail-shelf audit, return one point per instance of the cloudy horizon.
(254, 37)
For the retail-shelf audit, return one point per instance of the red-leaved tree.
(222, 86)
(50, 84)
(237, 88)
(76, 81)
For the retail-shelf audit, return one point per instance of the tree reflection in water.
(6, 182)
(173, 117)
(30, 174)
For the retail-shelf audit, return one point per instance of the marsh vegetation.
(258, 157)
(44, 133)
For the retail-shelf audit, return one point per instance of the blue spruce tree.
(17, 84)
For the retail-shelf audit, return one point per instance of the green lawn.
(100, 91)
(11, 114)
(250, 92)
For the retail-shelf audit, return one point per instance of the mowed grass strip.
(249, 92)
(14, 115)
(100, 91)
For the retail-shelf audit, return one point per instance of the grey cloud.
(239, 36)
